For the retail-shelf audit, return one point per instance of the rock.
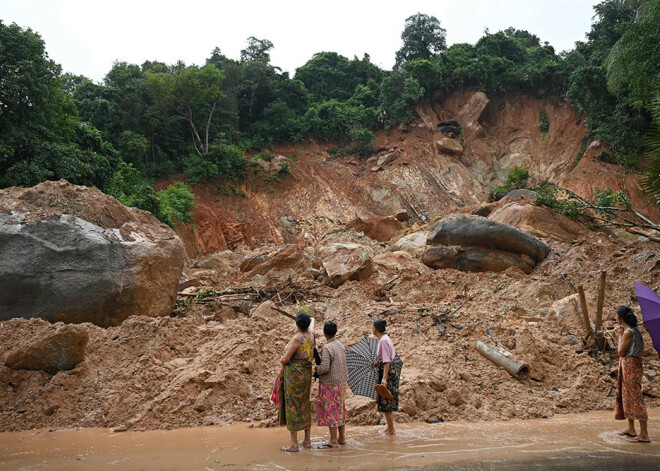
(398, 261)
(377, 169)
(414, 243)
(314, 272)
(287, 260)
(191, 283)
(344, 262)
(471, 113)
(58, 351)
(449, 146)
(538, 221)
(382, 229)
(402, 215)
(387, 158)
(570, 339)
(520, 193)
(252, 260)
(475, 259)
(225, 261)
(455, 130)
(449, 122)
(472, 231)
(73, 254)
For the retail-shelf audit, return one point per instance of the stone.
(537, 220)
(414, 243)
(58, 351)
(402, 215)
(344, 262)
(287, 260)
(475, 259)
(455, 130)
(73, 254)
(449, 146)
(449, 122)
(519, 193)
(473, 231)
(382, 229)
(397, 261)
(387, 158)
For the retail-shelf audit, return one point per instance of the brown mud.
(568, 442)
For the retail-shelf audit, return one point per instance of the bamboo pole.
(585, 312)
(601, 298)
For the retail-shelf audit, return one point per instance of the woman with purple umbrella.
(629, 401)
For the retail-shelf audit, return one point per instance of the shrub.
(198, 169)
(517, 178)
(176, 203)
(544, 121)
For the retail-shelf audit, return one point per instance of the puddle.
(579, 440)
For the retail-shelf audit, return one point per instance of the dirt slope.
(423, 178)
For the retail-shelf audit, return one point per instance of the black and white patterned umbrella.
(362, 378)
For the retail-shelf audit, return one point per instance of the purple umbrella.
(649, 301)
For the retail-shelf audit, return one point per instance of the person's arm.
(324, 367)
(312, 325)
(386, 370)
(625, 337)
(293, 346)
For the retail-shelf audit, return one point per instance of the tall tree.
(192, 92)
(423, 38)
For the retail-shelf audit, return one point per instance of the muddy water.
(572, 441)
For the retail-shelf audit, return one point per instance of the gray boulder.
(471, 243)
(73, 254)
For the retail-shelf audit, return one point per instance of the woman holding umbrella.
(629, 402)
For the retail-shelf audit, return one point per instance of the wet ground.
(583, 441)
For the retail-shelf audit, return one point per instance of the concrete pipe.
(518, 371)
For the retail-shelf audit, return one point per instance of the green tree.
(423, 38)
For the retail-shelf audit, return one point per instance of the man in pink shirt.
(387, 376)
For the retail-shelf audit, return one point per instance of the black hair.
(330, 328)
(627, 315)
(380, 324)
(303, 320)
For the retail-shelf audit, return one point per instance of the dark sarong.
(388, 405)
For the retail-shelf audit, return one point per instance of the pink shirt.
(386, 350)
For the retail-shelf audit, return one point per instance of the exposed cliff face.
(417, 170)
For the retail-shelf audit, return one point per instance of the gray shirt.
(636, 346)
(333, 370)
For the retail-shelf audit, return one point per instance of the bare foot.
(291, 449)
(342, 442)
(307, 444)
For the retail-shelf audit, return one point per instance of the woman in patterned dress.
(387, 375)
(333, 374)
(295, 409)
(629, 401)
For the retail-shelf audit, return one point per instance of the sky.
(86, 36)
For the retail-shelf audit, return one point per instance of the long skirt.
(388, 405)
(330, 407)
(629, 400)
(295, 407)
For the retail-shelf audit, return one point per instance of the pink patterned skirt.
(330, 407)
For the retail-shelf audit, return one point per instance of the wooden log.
(601, 298)
(585, 312)
(517, 370)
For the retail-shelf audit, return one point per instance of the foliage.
(176, 204)
(422, 37)
(198, 169)
(363, 142)
(399, 95)
(516, 179)
(651, 182)
(544, 121)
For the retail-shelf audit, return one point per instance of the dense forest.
(153, 120)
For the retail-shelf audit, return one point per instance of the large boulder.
(538, 221)
(73, 254)
(59, 348)
(382, 229)
(414, 243)
(287, 260)
(471, 243)
(449, 146)
(345, 262)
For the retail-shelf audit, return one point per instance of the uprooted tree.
(608, 209)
